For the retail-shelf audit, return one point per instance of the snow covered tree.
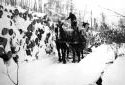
(121, 24)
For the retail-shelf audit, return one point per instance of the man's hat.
(85, 23)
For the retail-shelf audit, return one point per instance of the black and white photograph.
(62, 42)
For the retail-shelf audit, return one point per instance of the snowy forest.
(58, 6)
(62, 42)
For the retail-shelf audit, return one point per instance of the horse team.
(69, 42)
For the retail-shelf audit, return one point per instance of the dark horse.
(66, 40)
(78, 44)
(61, 44)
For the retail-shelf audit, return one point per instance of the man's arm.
(69, 17)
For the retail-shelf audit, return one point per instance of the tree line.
(41, 5)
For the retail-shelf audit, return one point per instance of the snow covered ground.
(115, 74)
(48, 72)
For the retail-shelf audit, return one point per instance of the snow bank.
(84, 73)
(115, 74)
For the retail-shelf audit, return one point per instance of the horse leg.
(58, 50)
(63, 56)
(82, 50)
(82, 54)
(59, 55)
(78, 55)
(73, 56)
(67, 50)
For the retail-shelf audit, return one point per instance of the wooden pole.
(91, 19)
(84, 12)
(71, 7)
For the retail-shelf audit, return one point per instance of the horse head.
(58, 29)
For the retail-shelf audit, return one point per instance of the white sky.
(106, 3)
(97, 8)
(111, 4)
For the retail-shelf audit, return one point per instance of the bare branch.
(17, 73)
(10, 77)
(113, 11)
